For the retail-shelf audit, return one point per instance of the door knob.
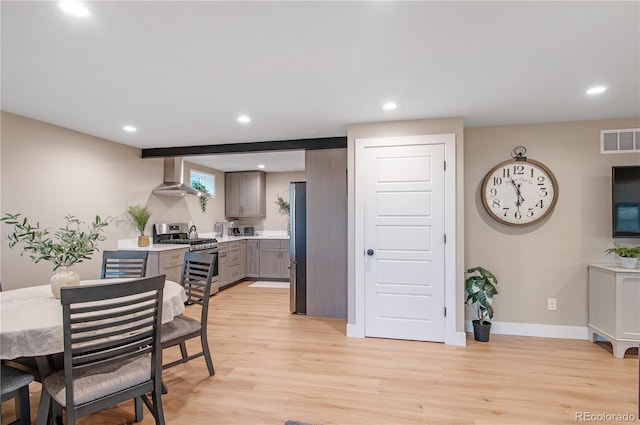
(370, 252)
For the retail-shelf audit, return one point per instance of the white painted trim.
(534, 329)
(452, 337)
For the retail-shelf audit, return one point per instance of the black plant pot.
(481, 331)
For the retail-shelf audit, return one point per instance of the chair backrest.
(197, 275)
(118, 264)
(110, 323)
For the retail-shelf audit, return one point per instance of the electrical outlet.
(551, 304)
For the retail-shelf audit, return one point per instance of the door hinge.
(445, 312)
(445, 238)
(445, 166)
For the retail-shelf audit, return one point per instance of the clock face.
(519, 192)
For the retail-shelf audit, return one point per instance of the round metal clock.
(519, 191)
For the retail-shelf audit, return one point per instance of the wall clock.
(519, 191)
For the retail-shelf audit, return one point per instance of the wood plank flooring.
(272, 366)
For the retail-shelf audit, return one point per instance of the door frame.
(357, 329)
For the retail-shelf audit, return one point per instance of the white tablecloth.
(31, 318)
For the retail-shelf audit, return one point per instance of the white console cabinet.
(614, 306)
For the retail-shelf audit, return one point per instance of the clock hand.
(517, 188)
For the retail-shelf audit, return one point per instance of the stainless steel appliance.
(298, 247)
(222, 228)
(178, 233)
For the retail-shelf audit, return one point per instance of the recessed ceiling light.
(389, 106)
(244, 119)
(129, 129)
(597, 90)
(260, 165)
(74, 8)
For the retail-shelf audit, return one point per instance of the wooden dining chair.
(112, 349)
(14, 384)
(197, 275)
(120, 264)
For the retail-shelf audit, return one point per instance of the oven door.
(215, 283)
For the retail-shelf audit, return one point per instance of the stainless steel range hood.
(173, 185)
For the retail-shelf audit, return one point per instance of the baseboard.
(354, 331)
(532, 329)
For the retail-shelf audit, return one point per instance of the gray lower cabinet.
(253, 258)
(167, 262)
(274, 258)
(223, 264)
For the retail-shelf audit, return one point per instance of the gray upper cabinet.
(245, 194)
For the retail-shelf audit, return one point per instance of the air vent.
(620, 141)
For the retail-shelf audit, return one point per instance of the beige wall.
(49, 171)
(548, 259)
(409, 128)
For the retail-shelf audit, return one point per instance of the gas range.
(176, 233)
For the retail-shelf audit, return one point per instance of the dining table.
(31, 322)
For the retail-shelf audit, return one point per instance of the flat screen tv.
(625, 196)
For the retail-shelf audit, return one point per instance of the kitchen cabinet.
(253, 259)
(223, 264)
(245, 194)
(614, 306)
(243, 259)
(168, 262)
(234, 262)
(274, 258)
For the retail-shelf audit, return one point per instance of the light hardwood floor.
(272, 366)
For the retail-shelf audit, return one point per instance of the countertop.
(132, 244)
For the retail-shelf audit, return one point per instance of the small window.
(207, 180)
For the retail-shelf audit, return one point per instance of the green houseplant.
(64, 247)
(140, 215)
(481, 285)
(628, 254)
(283, 208)
(203, 199)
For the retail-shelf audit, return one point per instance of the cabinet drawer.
(234, 258)
(223, 246)
(171, 258)
(273, 243)
(234, 246)
(234, 273)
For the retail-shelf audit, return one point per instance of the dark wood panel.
(327, 233)
(296, 144)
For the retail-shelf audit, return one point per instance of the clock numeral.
(506, 211)
(540, 180)
(496, 203)
(518, 169)
(540, 204)
(532, 173)
(493, 191)
(518, 215)
(543, 192)
(505, 172)
(530, 212)
(497, 181)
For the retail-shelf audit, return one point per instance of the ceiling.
(182, 72)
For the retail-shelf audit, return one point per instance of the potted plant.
(628, 255)
(140, 216)
(481, 285)
(203, 198)
(65, 247)
(283, 208)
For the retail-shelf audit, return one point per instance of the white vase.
(628, 262)
(64, 276)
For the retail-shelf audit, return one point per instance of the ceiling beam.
(280, 145)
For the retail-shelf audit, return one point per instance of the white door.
(404, 242)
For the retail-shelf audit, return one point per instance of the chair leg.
(137, 402)
(207, 354)
(157, 404)
(44, 408)
(22, 406)
(183, 350)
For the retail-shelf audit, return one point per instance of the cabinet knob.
(370, 252)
